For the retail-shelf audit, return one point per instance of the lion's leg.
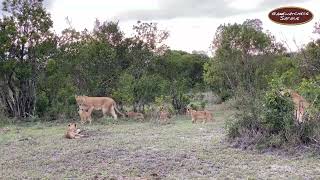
(82, 120)
(104, 112)
(300, 117)
(113, 113)
(90, 119)
(77, 136)
(296, 115)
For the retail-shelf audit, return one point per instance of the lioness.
(135, 115)
(205, 116)
(106, 104)
(300, 104)
(85, 114)
(72, 131)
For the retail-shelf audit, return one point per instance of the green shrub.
(42, 103)
(310, 89)
(197, 105)
(278, 114)
(269, 121)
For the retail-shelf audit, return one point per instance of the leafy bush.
(165, 101)
(310, 88)
(278, 114)
(268, 121)
(198, 105)
(42, 103)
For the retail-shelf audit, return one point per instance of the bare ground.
(132, 150)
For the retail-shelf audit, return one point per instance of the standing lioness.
(106, 104)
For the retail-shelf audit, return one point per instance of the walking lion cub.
(205, 116)
(135, 115)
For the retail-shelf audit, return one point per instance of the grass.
(180, 150)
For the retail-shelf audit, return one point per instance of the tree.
(152, 38)
(240, 50)
(184, 72)
(25, 29)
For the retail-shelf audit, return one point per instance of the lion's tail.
(117, 110)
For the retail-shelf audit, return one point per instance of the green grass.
(180, 150)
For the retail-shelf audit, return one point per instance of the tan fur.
(164, 116)
(106, 104)
(205, 116)
(72, 131)
(300, 104)
(85, 114)
(135, 115)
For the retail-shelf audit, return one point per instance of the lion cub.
(135, 115)
(300, 104)
(205, 116)
(73, 132)
(85, 114)
(164, 116)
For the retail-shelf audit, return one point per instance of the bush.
(310, 89)
(198, 105)
(164, 101)
(278, 112)
(42, 104)
(268, 121)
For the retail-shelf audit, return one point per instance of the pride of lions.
(108, 106)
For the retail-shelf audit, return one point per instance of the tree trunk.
(19, 100)
(135, 106)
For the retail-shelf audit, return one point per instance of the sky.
(191, 23)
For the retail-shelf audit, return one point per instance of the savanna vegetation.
(250, 66)
(41, 71)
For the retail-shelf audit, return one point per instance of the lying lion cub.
(135, 115)
(73, 132)
(85, 114)
(205, 116)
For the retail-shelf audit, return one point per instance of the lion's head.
(286, 92)
(72, 127)
(80, 100)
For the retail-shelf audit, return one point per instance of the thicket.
(41, 71)
(251, 67)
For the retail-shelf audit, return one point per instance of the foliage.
(310, 88)
(265, 117)
(26, 43)
(40, 72)
(310, 63)
(242, 54)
